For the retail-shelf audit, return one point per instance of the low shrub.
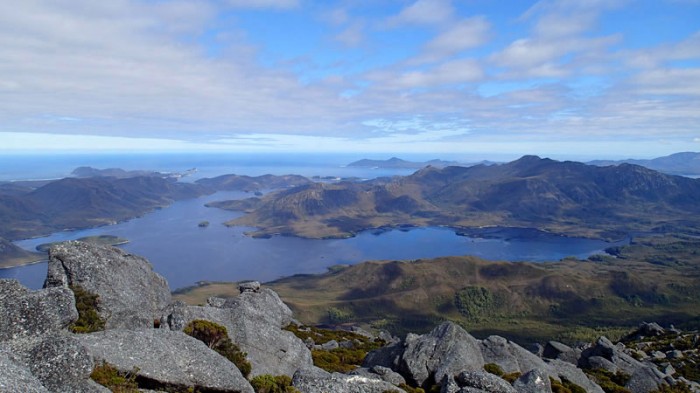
(494, 369)
(108, 376)
(216, 337)
(89, 320)
(565, 386)
(273, 384)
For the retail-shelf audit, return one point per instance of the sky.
(580, 78)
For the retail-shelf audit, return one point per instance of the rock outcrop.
(25, 313)
(160, 358)
(254, 321)
(38, 352)
(131, 294)
(319, 381)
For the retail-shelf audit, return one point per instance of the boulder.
(131, 294)
(315, 381)
(165, 358)
(17, 378)
(25, 313)
(388, 356)
(387, 374)
(57, 360)
(446, 350)
(254, 322)
(566, 370)
(533, 381)
(510, 356)
(644, 377)
(557, 350)
(484, 381)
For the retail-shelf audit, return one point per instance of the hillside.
(562, 197)
(80, 203)
(11, 255)
(686, 163)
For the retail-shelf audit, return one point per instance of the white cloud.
(353, 35)
(424, 12)
(451, 72)
(273, 4)
(466, 34)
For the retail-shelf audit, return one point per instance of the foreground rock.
(164, 358)
(131, 294)
(37, 354)
(318, 381)
(25, 313)
(254, 321)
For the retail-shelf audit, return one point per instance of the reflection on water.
(185, 253)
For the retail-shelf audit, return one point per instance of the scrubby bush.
(108, 376)
(473, 301)
(494, 369)
(273, 384)
(216, 337)
(89, 320)
(565, 386)
(608, 381)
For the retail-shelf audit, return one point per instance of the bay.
(185, 253)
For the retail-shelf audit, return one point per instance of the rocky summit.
(104, 322)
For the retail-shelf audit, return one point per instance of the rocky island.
(105, 316)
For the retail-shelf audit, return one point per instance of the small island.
(203, 224)
(108, 240)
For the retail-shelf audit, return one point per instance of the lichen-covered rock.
(388, 375)
(388, 356)
(25, 313)
(534, 381)
(17, 378)
(131, 294)
(644, 377)
(562, 369)
(57, 360)
(254, 322)
(446, 350)
(167, 358)
(314, 381)
(557, 350)
(484, 381)
(510, 356)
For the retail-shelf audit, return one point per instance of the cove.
(185, 253)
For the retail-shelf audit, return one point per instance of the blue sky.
(578, 78)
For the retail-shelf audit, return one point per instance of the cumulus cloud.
(424, 12)
(274, 4)
(466, 34)
(451, 72)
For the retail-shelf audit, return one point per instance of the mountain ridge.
(568, 198)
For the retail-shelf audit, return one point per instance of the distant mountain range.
(397, 163)
(684, 164)
(687, 163)
(562, 197)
